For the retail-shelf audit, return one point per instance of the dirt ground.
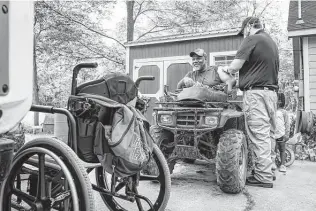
(194, 189)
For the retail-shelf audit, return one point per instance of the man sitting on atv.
(204, 76)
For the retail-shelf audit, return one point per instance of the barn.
(302, 30)
(167, 58)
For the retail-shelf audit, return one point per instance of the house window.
(222, 58)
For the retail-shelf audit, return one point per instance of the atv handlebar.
(143, 78)
(76, 70)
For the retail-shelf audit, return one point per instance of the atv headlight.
(211, 120)
(166, 119)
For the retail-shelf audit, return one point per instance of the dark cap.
(248, 20)
(198, 52)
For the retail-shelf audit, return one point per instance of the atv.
(208, 124)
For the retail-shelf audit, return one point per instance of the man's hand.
(224, 69)
(188, 82)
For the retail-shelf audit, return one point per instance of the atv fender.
(228, 114)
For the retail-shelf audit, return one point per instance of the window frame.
(220, 53)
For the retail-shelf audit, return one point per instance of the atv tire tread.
(159, 135)
(229, 148)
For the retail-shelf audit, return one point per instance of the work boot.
(252, 181)
(282, 168)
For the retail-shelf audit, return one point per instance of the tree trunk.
(130, 20)
(35, 85)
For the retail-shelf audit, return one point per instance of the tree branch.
(87, 27)
(100, 54)
(265, 8)
(139, 10)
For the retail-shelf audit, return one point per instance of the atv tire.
(162, 138)
(231, 161)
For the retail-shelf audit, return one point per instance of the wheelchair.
(48, 174)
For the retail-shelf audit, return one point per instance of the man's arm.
(242, 55)
(181, 84)
(186, 81)
(235, 66)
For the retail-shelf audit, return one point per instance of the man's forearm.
(235, 66)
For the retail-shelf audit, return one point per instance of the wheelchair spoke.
(148, 178)
(41, 186)
(25, 197)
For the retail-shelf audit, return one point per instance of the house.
(302, 30)
(167, 58)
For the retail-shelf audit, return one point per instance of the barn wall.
(183, 48)
(312, 71)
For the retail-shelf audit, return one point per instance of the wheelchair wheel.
(289, 157)
(154, 184)
(47, 175)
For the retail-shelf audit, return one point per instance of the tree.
(67, 33)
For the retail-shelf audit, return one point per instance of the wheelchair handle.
(143, 78)
(76, 70)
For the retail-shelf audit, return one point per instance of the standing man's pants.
(259, 109)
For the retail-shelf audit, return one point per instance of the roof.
(184, 37)
(308, 11)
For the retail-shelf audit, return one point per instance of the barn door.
(175, 70)
(152, 89)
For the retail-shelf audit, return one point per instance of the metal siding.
(183, 48)
(312, 51)
(312, 72)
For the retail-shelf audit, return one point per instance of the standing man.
(257, 61)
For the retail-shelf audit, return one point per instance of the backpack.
(116, 86)
(124, 146)
(129, 142)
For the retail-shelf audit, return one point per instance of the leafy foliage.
(70, 32)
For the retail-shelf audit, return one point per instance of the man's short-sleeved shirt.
(261, 65)
(208, 77)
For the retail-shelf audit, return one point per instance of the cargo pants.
(260, 109)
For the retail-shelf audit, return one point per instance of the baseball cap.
(198, 52)
(248, 20)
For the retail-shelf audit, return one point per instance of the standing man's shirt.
(208, 77)
(261, 62)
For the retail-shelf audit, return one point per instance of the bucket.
(61, 127)
(6, 155)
